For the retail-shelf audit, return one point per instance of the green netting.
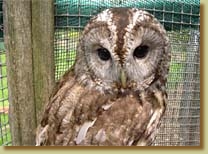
(181, 12)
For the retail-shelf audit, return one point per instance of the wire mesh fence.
(5, 137)
(181, 124)
(181, 18)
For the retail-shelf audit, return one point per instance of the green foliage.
(179, 41)
(3, 119)
(5, 135)
(3, 82)
(175, 75)
(64, 60)
(65, 49)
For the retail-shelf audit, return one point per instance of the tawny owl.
(115, 92)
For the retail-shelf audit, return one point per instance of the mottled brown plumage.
(115, 93)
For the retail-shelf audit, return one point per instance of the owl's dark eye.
(103, 54)
(141, 51)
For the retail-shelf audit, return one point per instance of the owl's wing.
(158, 101)
(62, 101)
(70, 106)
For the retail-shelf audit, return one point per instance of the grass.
(3, 79)
(5, 135)
(64, 60)
(65, 50)
(3, 82)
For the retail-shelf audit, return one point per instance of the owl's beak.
(123, 79)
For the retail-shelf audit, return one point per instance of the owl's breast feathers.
(79, 116)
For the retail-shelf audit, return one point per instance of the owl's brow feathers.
(119, 21)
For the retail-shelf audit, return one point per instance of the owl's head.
(122, 49)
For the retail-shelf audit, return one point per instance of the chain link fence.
(181, 18)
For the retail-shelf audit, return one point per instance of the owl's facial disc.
(122, 48)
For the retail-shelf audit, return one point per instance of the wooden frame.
(29, 30)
